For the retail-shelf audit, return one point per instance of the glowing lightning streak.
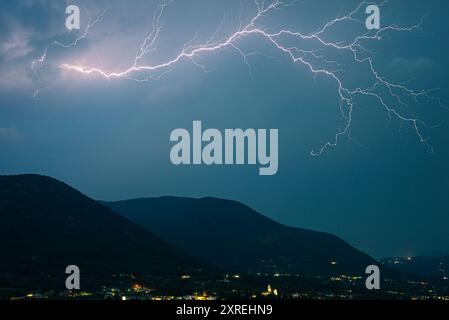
(297, 55)
(35, 66)
(38, 63)
(90, 24)
(148, 45)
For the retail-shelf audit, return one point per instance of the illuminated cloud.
(15, 48)
(322, 57)
(111, 47)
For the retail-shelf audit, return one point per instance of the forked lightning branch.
(326, 59)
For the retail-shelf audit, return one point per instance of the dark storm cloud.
(381, 191)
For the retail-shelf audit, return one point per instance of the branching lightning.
(37, 64)
(83, 36)
(315, 61)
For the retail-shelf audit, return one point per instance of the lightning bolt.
(315, 62)
(35, 67)
(37, 64)
(90, 25)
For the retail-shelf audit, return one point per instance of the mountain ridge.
(324, 252)
(49, 225)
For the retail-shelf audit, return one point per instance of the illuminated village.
(276, 286)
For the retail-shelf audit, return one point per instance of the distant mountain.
(434, 267)
(45, 225)
(232, 235)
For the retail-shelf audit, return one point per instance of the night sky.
(383, 190)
